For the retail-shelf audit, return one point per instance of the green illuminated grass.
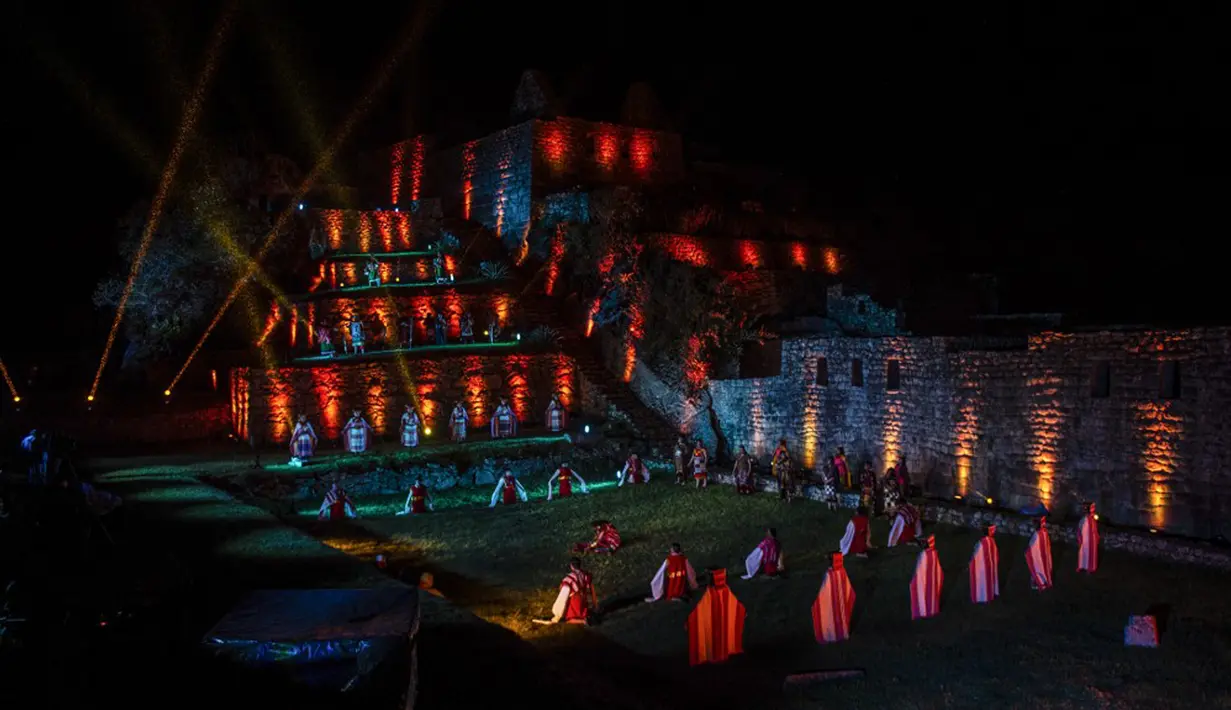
(396, 456)
(1060, 649)
(416, 350)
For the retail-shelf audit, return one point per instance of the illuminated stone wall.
(488, 180)
(339, 312)
(264, 402)
(1016, 425)
(411, 227)
(570, 152)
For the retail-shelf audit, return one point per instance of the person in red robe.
(700, 465)
(419, 500)
(577, 599)
(675, 578)
(557, 415)
(858, 538)
(1087, 541)
(925, 586)
(563, 479)
(985, 569)
(831, 612)
(1038, 557)
(337, 505)
(766, 558)
(508, 490)
(606, 539)
(716, 625)
(634, 471)
(907, 525)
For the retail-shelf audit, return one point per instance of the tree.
(203, 237)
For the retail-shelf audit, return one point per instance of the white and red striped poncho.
(1087, 542)
(831, 612)
(907, 525)
(925, 586)
(1038, 557)
(765, 558)
(336, 503)
(985, 569)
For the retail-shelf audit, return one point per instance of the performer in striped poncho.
(985, 569)
(337, 505)
(357, 433)
(907, 526)
(766, 558)
(303, 441)
(557, 415)
(577, 599)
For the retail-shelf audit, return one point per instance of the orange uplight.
(1046, 421)
(365, 232)
(311, 325)
(384, 225)
(500, 306)
(799, 254)
(397, 159)
(1159, 429)
(833, 262)
(636, 330)
(641, 151)
(687, 249)
(517, 377)
(476, 390)
(213, 379)
(240, 386)
(294, 325)
(750, 254)
(696, 369)
(607, 147)
(401, 222)
(280, 410)
(590, 317)
(327, 383)
(271, 322)
(468, 170)
(427, 378)
(333, 222)
(556, 258)
(554, 145)
(450, 265)
(564, 375)
(416, 168)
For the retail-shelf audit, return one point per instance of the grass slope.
(1059, 649)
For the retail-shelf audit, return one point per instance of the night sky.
(1068, 152)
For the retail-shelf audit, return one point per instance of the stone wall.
(390, 311)
(488, 180)
(411, 227)
(264, 402)
(1072, 417)
(570, 152)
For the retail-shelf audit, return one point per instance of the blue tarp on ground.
(333, 637)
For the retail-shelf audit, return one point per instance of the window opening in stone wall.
(822, 372)
(857, 373)
(1169, 379)
(1100, 380)
(893, 375)
(862, 308)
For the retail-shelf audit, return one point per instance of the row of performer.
(357, 434)
(715, 627)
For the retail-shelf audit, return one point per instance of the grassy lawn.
(1059, 649)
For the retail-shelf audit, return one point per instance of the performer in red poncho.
(419, 500)
(563, 478)
(907, 525)
(926, 584)
(504, 421)
(606, 539)
(303, 441)
(766, 558)
(634, 471)
(842, 470)
(337, 505)
(459, 419)
(508, 490)
(357, 433)
(858, 538)
(1087, 541)
(1038, 557)
(985, 569)
(716, 625)
(831, 612)
(675, 578)
(577, 599)
(557, 415)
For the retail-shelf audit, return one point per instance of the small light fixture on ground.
(89, 398)
(16, 398)
(427, 431)
(519, 336)
(586, 430)
(166, 393)
(989, 501)
(300, 205)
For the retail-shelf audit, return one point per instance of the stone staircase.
(539, 309)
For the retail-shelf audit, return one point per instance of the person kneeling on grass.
(577, 600)
(337, 505)
(418, 501)
(766, 558)
(606, 539)
(674, 578)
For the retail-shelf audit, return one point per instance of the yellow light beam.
(326, 160)
(192, 112)
(9, 381)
